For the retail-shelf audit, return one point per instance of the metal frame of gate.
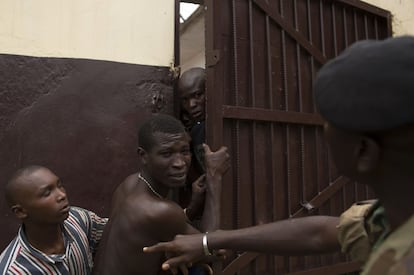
(261, 59)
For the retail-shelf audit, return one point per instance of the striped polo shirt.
(82, 231)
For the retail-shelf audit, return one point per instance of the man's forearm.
(212, 205)
(302, 236)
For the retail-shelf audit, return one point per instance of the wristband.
(205, 246)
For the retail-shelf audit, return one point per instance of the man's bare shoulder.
(153, 209)
(128, 183)
(123, 190)
(142, 212)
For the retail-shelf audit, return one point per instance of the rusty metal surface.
(80, 119)
(262, 58)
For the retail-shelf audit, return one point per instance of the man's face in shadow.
(192, 94)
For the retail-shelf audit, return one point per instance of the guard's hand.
(188, 249)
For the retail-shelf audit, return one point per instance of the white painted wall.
(402, 12)
(132, 31)
(192, 44)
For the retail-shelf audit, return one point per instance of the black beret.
(368, 87)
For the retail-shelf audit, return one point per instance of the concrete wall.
(132, 31)
(402, 12)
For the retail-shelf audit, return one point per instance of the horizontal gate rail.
(259, 114)
(340, 268)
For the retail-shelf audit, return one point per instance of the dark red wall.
(80, 119)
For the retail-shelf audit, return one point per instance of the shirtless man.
(142, 214)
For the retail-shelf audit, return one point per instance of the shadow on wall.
(79, 118)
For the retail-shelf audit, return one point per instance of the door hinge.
(212, 58)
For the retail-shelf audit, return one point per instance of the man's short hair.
(11, 185)
(369, 87)
(192, 76)
(159, 123)
(197, 72)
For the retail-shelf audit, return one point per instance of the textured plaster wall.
(402, 12)
(79, 118)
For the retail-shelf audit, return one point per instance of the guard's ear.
(368, 154)
(143, 155)
(19, 211)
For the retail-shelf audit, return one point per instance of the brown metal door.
(262, 56)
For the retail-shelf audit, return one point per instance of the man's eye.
(186, 152)
(166, 154)
(198, 95)
(46, 193)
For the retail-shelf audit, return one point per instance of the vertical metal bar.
(235, 55)
(214, 92)
(285, 85)
(269, 63)
(345, 27)
(366, 35)
(367, 190)
(300, 96)
(253, 96)
(288, 169)
(272, 135)
(376, 28)
(308, 9)
(176, 54)
(236, 101)
(312, 69)
(273, 169)
(214, 74)
(299, 85)
(356, 188)
(270, 82)
(251, 46)
(322, 22)
(355, 25)
(295, 15)
(334, 29)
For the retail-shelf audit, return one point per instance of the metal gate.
(262, 56)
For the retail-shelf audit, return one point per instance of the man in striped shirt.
(54, 238)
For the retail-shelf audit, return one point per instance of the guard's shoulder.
(387, 263)
(396, 254)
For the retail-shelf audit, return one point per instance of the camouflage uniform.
(395, 255)
(363, 229)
